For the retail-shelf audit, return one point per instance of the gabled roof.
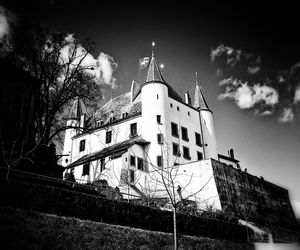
(109, 151)
(78, 109)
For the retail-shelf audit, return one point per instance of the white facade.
(151, 128)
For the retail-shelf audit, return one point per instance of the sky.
(246, 57)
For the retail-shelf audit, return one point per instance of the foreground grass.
(22, 229)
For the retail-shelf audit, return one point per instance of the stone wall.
(253, 199)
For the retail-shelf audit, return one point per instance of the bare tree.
(63, 66)
(169, 183)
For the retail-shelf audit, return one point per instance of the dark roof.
(154, 74)
(228, 158)
(199, 100)
(117, 106)
(111, 150)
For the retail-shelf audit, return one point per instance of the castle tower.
(207, 125)
(154, 95)
(76, 119)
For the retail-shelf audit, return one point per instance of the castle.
(138, 135)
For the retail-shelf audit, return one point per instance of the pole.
(175, 229)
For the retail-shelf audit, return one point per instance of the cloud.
(287, 115)
(247, 97)
(242, 79)
(229, 57)
(102, 67)
(297, 95)
(4, 26)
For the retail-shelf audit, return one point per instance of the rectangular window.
(81, 145)
(102, 162)
(99, 123)
(159, 161)
(160, 139)
(140, 163)
(131, 176)
(133, 130)
(86, 169)
(174, 129)
(176, 151)
(199, 156)
(158, 119)
(132, 160)
(198, 139)
(108, 137)
(186, 153)
(184, 134)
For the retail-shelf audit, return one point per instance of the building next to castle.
(150, 135)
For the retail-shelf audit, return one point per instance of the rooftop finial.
(153, 45)
(196, 78)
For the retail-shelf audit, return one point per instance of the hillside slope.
(23, 229)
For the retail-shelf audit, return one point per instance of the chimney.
(82, 121)
(187, 98)
(231, 153)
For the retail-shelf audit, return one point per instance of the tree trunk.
(175, 228)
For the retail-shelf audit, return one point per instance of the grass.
(24, 229)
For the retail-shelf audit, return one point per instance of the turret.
(206, 123)
(77, 117)
(154, 96)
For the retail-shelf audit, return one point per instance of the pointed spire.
(78, 109)
(154, 74)
(199, 100)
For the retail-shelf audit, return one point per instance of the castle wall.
(184, 117)
(253, 198)
(97, 140)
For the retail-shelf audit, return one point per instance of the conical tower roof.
(154, 74)
(199, 100)
(78, 109)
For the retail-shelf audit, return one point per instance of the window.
(132, 160)
(174, 129)
(124, 115)
(158, 119)
(171, 105)
(178, 108)
(102, 164)
(186, 153)
(140, 163)
(159, 161)
(199, 156)
(198, 139)
(176, 151)
(131, 176)
(86, 169)
(160, 139)
(133, 130)
(157, 97)
(99, 123)
(81, 145)
(189, 114)
(184, 134)
(108, 137)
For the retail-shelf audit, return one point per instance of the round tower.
(207, 125)
(77, 111)
(154, 96)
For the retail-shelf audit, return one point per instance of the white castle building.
(146, 141)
